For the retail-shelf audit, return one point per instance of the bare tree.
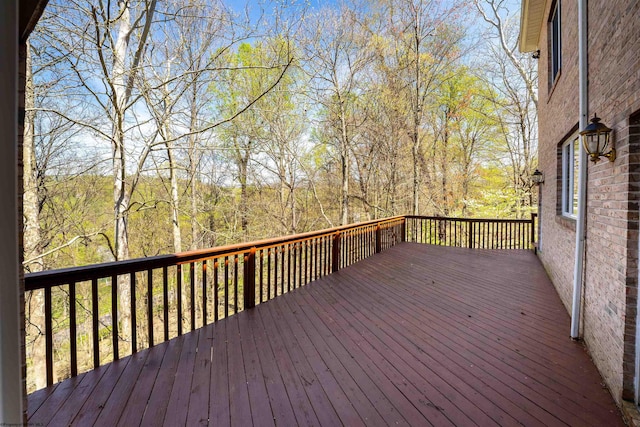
(504, 30)
(31, 237)
(426, 42)
(335, 53)
(515, 78)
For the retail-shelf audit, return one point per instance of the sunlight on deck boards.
(416, 335)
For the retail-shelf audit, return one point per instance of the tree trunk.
(120, 193)
(175, 198)
(416, 173)
(344, 165)
(444, 166)
(194, 158)
(242, 160)
(31, 204)
(417, 116)
(32, 243)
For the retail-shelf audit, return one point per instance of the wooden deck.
(417, 335)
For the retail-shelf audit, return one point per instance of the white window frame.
(555, 38)
(570, 176)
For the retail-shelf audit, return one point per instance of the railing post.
(250, 278)
(335, 253)
(471, 235)
(403, 230)
(532, 238)
(378, 239)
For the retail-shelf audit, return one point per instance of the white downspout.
(583, 71)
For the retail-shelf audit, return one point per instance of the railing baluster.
(344, 249)
(301, 265)
(269, 274)
(165, 297)
(114, 316)
(204, 292)
(95, 322)
(226, 287)
(282, 270)
(215, 291)
(488, 239)
(235, 284)
(352, 244)
(192, 291)
(134, 326)
(48, 330)
(261, 275)
(494, 235)
(150, 306)
(314, 259)
(305, 261)
(296, 249)
(275, 271)
(426, 227)
(323, 255)
(179, 296)
(288, 268)
(73, 331)
(297, 265)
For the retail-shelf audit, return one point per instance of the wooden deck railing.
(164, 295)
(118, 308)
(472, 232)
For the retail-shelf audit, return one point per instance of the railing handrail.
(56, 277)
(499, 221)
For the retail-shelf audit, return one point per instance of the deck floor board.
(161, 390)
(415, 335)
(443, 350)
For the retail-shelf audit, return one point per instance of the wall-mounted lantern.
(596, 139)
(537, 177)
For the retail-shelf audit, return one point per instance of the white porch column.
(10, 366)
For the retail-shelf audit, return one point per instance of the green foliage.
(295, 109)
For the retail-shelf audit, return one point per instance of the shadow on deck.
(416, 335)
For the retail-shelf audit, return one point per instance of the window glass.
(570, 174)
(555, 50)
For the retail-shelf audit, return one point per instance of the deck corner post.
(250, 278)
(378, 239)
(403, 229)
(532, 230)
(335, 253)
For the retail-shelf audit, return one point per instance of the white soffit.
(531, 18)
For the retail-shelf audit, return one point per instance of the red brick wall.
(610, 288)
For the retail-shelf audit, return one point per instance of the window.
(555, 39)
(570, 174)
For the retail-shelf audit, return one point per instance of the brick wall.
(611, 271)
(558, 111)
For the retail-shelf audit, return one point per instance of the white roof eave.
(531, 20)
